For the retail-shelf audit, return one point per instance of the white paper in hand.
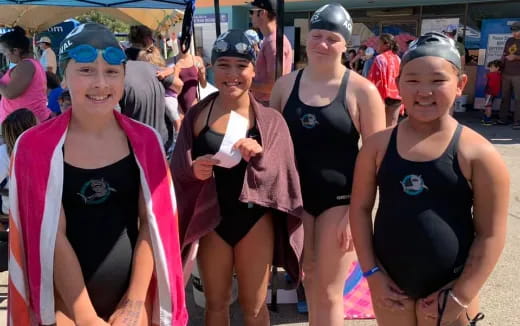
(236, 129)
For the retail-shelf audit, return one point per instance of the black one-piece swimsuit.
(237, 217)
(101, 209)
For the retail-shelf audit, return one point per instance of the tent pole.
(216, 5)
(279, 37)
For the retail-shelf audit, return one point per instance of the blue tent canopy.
(152, 4)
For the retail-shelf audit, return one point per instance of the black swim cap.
(233, 43)
(433, 45)
(333, 17)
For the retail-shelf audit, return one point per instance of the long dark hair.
(389, 40)
(15, 124)
(16, 39)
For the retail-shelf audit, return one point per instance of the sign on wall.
(205, 30)
(494, 34)
(437, 25)
(495, 47)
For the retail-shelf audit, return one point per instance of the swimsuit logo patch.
(413, 185)
(95, 191)
(309, 121)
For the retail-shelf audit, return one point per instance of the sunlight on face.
(429, 86)
(95, 87)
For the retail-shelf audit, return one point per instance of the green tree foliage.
(115, 25)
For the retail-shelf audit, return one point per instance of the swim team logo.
(95, 191)
(316, 17)
(309, 121)
(413, 185)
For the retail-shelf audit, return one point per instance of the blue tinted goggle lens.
(86, 53)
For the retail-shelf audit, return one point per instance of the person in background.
(253, 36)
(511, 78)
(153, 55)
(144, 96)
(24, 85)
(12, 127)
(369, 60)
(192, 72)
(451, 31)
(263, 18)
(54, 91)
(140, 37)
(384, 73)
(443, 200)
(359, 58)
(493, 87)
(65, 101)
(48, 57)
(352, 60)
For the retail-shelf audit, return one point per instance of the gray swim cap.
(333, 17)
(433, 45)
(233, 43)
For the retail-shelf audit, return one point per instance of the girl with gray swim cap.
(327, 108)
(443, 200)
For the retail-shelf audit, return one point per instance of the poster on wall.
(495, 47)
(437, 25)
(494, 34)
(205, 23)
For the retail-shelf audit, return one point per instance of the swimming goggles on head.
(86, 53)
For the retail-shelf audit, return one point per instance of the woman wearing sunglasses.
(327, 108)
(24, 85)
(244, 207)
(93, 195)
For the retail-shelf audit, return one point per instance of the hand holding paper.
(229, 156)
(248, 148)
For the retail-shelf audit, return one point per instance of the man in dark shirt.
(511, 78)
(143, 99)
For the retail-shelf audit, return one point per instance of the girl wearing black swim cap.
(327, 108)
(443, 200)
(237, 212)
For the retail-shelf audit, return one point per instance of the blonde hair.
(152, 55)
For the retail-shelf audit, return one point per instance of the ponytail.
(389, 40)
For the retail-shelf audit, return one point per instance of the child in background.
(493, 88)
(12, 127)
(65, 101)
(54, 91)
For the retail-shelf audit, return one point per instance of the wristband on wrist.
(371, 271)
(454, 298)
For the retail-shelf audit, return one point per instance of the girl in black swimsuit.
(245, 229)
(328, 108)
(443, 199)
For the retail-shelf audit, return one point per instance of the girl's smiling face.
(95, 87)
(233, 76)
(429, 86)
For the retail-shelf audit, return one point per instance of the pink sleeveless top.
(33, 98)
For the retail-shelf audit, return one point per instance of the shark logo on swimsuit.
(95, 191)
(309, 121)
(413, 185)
